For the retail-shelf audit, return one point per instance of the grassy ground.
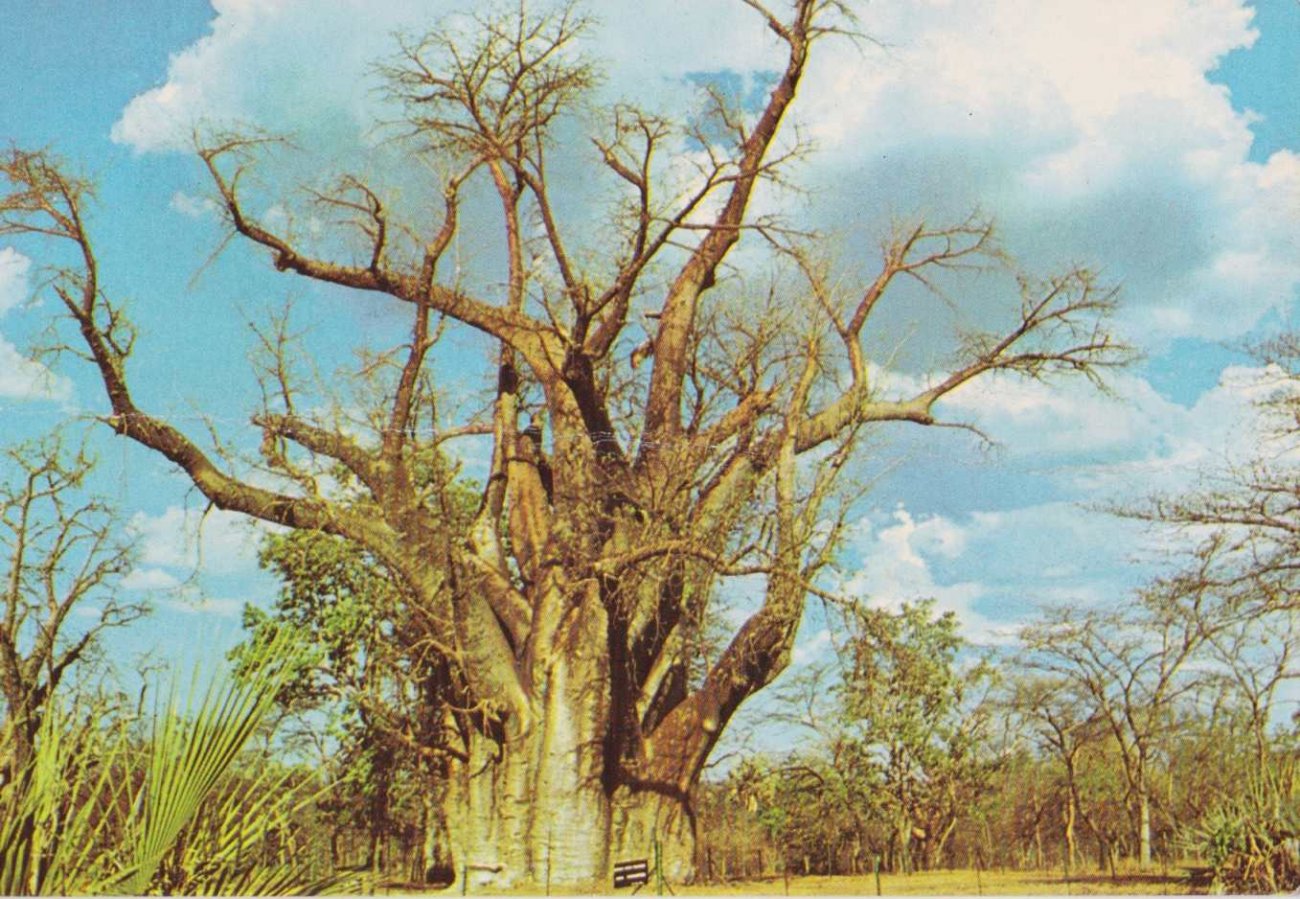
(960, 883)
(1173, 881)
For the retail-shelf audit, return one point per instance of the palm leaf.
(91, 813)
(193, 746)
(56, 816)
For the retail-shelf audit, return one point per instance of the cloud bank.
(1090, 131)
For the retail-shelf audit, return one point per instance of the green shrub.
(95, 811)
(1252, 839)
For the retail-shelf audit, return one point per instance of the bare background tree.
(633, 475)
(63, 555)
(1128, 671)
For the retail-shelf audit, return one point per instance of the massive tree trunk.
(541, 801)
(513, 824)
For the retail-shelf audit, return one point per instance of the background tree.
(1238, 576)
(63, 553)
(580, 702)
(911, 701)
(830, 797)
(366, 666)
(1059, 721)
(1132, 669)
(1253, 658)
(1015, 823)
(902, 750)
(1240, 523)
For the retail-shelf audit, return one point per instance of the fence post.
(659, 868)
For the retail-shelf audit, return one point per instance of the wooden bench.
(636, 871)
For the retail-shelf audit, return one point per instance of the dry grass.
(1174, 881)
(960, 883)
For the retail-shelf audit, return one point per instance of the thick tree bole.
(538, 806)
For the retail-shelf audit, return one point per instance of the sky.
(1155, 141)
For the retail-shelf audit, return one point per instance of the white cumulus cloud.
(895, 567)
(993, 561)
(993, 569)
(15, 269)
(222, 543)
(22, 378)
(1129, 442)
(1091, 131)
(191, 206)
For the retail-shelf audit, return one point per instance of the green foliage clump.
(100, 810)
(1252, 839)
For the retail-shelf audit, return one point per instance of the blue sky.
(1154, 140)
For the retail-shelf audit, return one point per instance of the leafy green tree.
(337, 607)
(365, 676)
(903, 732)
(916, 701)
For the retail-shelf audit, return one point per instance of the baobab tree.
(661, 423)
